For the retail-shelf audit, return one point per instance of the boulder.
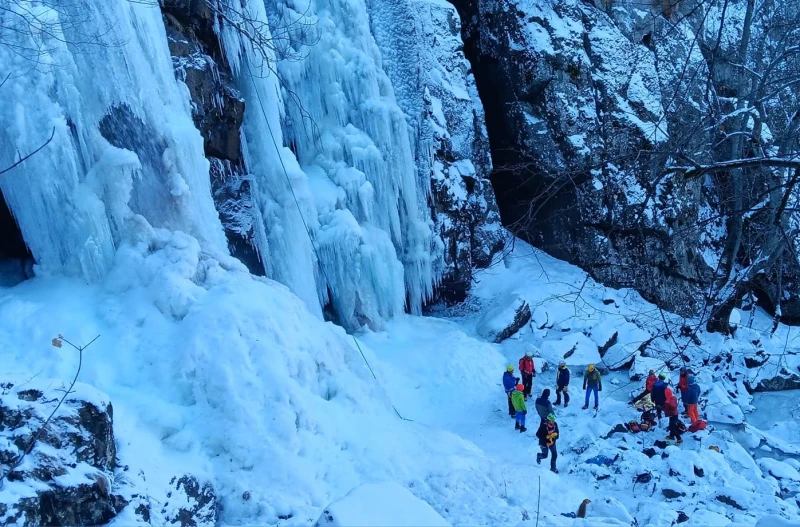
(642, 365)
(671, 494)
(510, 314)
(67, 475)
(190, 503)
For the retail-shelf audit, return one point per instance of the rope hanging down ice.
(305, 224)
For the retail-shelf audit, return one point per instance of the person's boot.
(678, 441)
(670, 438)
(516, 426)
(554, 470)
(584, 407)
(595, 407)
(557, 403)
(566, 403)
(522, 429)
(538, 459)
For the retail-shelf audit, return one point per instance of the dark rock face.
(68, 473)
(570, 102)
(190, 504)
(785, 380)
(218, 112)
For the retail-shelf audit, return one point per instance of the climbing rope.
(305, 224)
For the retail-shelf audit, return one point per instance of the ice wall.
(326, 145)
(124, 154)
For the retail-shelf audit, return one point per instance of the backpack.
(696, 427)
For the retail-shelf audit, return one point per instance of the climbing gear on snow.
(715, 448)
(697, 426)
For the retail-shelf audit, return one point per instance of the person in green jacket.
(518, 400)
(592, 383)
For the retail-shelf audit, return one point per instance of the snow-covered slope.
(279, 412)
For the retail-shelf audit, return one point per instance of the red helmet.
(520, 388)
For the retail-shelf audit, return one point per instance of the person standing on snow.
(509, 382)
(671, 411)
(683, 383)
(518, 400)
(658, 394)
(592, 383)
(543, 405)
(548, 435)
(648, 386)
(528, 370)
(691, 397)
(562, 382)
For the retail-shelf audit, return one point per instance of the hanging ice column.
(125, 154)
(356, 181)
(351, 137)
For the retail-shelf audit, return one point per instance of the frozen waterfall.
(325, 144)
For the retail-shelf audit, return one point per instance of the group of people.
(665, 401)
(661, 397)
(518, 391)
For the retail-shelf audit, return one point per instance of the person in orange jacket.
(648, 387)
(528, 370)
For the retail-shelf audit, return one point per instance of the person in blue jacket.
(659, 394)
(562, 383)
(691, 397)
(509, 385)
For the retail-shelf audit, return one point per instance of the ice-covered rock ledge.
(67, 478)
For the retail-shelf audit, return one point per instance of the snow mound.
(380, 505)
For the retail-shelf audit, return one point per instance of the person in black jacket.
(562, 383)
(548, 435)
(543, 405)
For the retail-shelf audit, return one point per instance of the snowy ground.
(217, 374)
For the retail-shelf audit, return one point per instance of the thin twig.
(25, 158)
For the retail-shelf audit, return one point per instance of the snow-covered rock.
(67, 476)
(642, 365)
(510, 314)
(609, 508)
(380, 505)
(575, 349)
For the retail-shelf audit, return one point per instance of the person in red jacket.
(648, 387)
(528, 370)
(671, 411)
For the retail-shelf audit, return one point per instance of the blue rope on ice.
(305, 225)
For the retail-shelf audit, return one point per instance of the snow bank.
(380, 505)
